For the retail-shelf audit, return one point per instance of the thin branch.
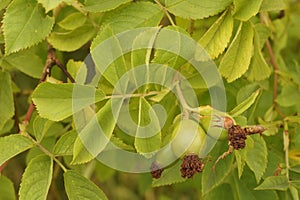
(166, 12)
(191, 27)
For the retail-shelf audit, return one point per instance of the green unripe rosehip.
(188, 137)
(165, 156)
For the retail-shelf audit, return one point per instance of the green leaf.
(237, 58)
(73, 21)
(50, 4)
(169, 176)
(172, 59)
(243, 106)
(4, 3)
(244, 10)
(6, 98)
(257, 156)
(25, 61)
(240, 160)
(103, 5)
(40, 127)
(22, 21)
(223, 191)
(216, 39)
(124, 18)
(20, 144)
(7, 191)
(37, 178)
(211, 179)
(116, 66)
(241, 189)
(94, 137)
(64, 146)
(289, 96)
(274, 183)
(259, 69)
(58, 101)
(72, 40)
(269, 5)
(148, 135)
(294, 192)
(79, 187)
(196, 9)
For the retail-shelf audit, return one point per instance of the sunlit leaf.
(7, 191)
(95, 135)
(244, 105)
(237, 58)
(22, 21)
(55, 101)
(103, 5)
(195, 9)
(78, 187)
(244, 10)
(37, 178)
(148, 136)
(72, 40)
(216, 39)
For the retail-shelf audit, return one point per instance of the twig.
(286, 142)
(166, 13)
(230, 150)
(276, 69)
(191, 27)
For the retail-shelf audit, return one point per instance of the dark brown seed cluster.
(237, 137)
(156, 170)
(191, 165)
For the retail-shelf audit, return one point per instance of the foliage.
(106, 75)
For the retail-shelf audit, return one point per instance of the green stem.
(286, 142)
(43, 149)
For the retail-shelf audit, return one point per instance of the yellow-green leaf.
(37, 178)
(12, 145)
(215, 40)
(237, 58)
(78, 187)
(24, 25)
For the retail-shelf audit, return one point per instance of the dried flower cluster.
(191, 165)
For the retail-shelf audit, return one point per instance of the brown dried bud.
(254, 129)
(191, 165)
(237, 137)
(156, 170)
